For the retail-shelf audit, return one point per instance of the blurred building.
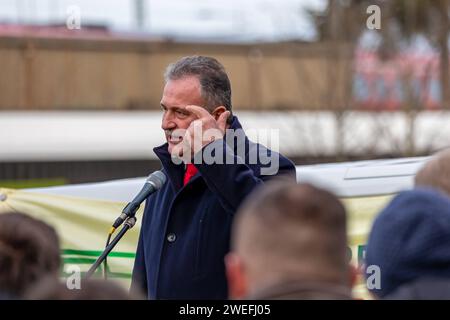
(51, 68)
(59, 69)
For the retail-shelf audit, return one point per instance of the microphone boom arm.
(128, 224)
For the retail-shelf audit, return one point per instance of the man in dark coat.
(186, 225)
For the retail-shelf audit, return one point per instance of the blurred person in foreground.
(289, 241)
(90, 289)
(410, 244)
(186, 224)
(436, 172)
(29, 251)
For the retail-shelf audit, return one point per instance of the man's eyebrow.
(176, 108)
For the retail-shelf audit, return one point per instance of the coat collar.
(175, 172)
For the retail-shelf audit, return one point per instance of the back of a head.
(410, 239)
(29, 250)
(288, 231)
(436, 172)
(91, 289)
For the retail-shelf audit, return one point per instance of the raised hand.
(200, 132)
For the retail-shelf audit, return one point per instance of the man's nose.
(167, 122)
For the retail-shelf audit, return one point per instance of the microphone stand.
(127, 225)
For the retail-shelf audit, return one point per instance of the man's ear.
(237, 281)
(218, 111)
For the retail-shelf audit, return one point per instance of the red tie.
(191, 170)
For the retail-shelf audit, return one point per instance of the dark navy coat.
(185, 230)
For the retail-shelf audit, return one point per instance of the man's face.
(177, 95)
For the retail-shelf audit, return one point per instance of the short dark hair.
(294, 230)
(214, 82)
(29, 250)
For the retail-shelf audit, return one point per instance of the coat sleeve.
(233, 181)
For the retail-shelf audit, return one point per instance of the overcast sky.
(231, 19)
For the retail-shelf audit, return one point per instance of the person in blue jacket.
(186, 225)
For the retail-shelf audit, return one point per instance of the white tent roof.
(350, 179)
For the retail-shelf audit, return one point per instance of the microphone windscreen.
(158, 178)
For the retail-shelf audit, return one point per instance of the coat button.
(171, 237)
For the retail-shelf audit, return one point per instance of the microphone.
(153, 183)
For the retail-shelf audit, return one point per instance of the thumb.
(222, 121)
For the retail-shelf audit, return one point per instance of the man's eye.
(181, 113)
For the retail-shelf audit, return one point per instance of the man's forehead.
(182, 92)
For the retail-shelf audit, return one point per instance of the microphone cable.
(105, 263)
